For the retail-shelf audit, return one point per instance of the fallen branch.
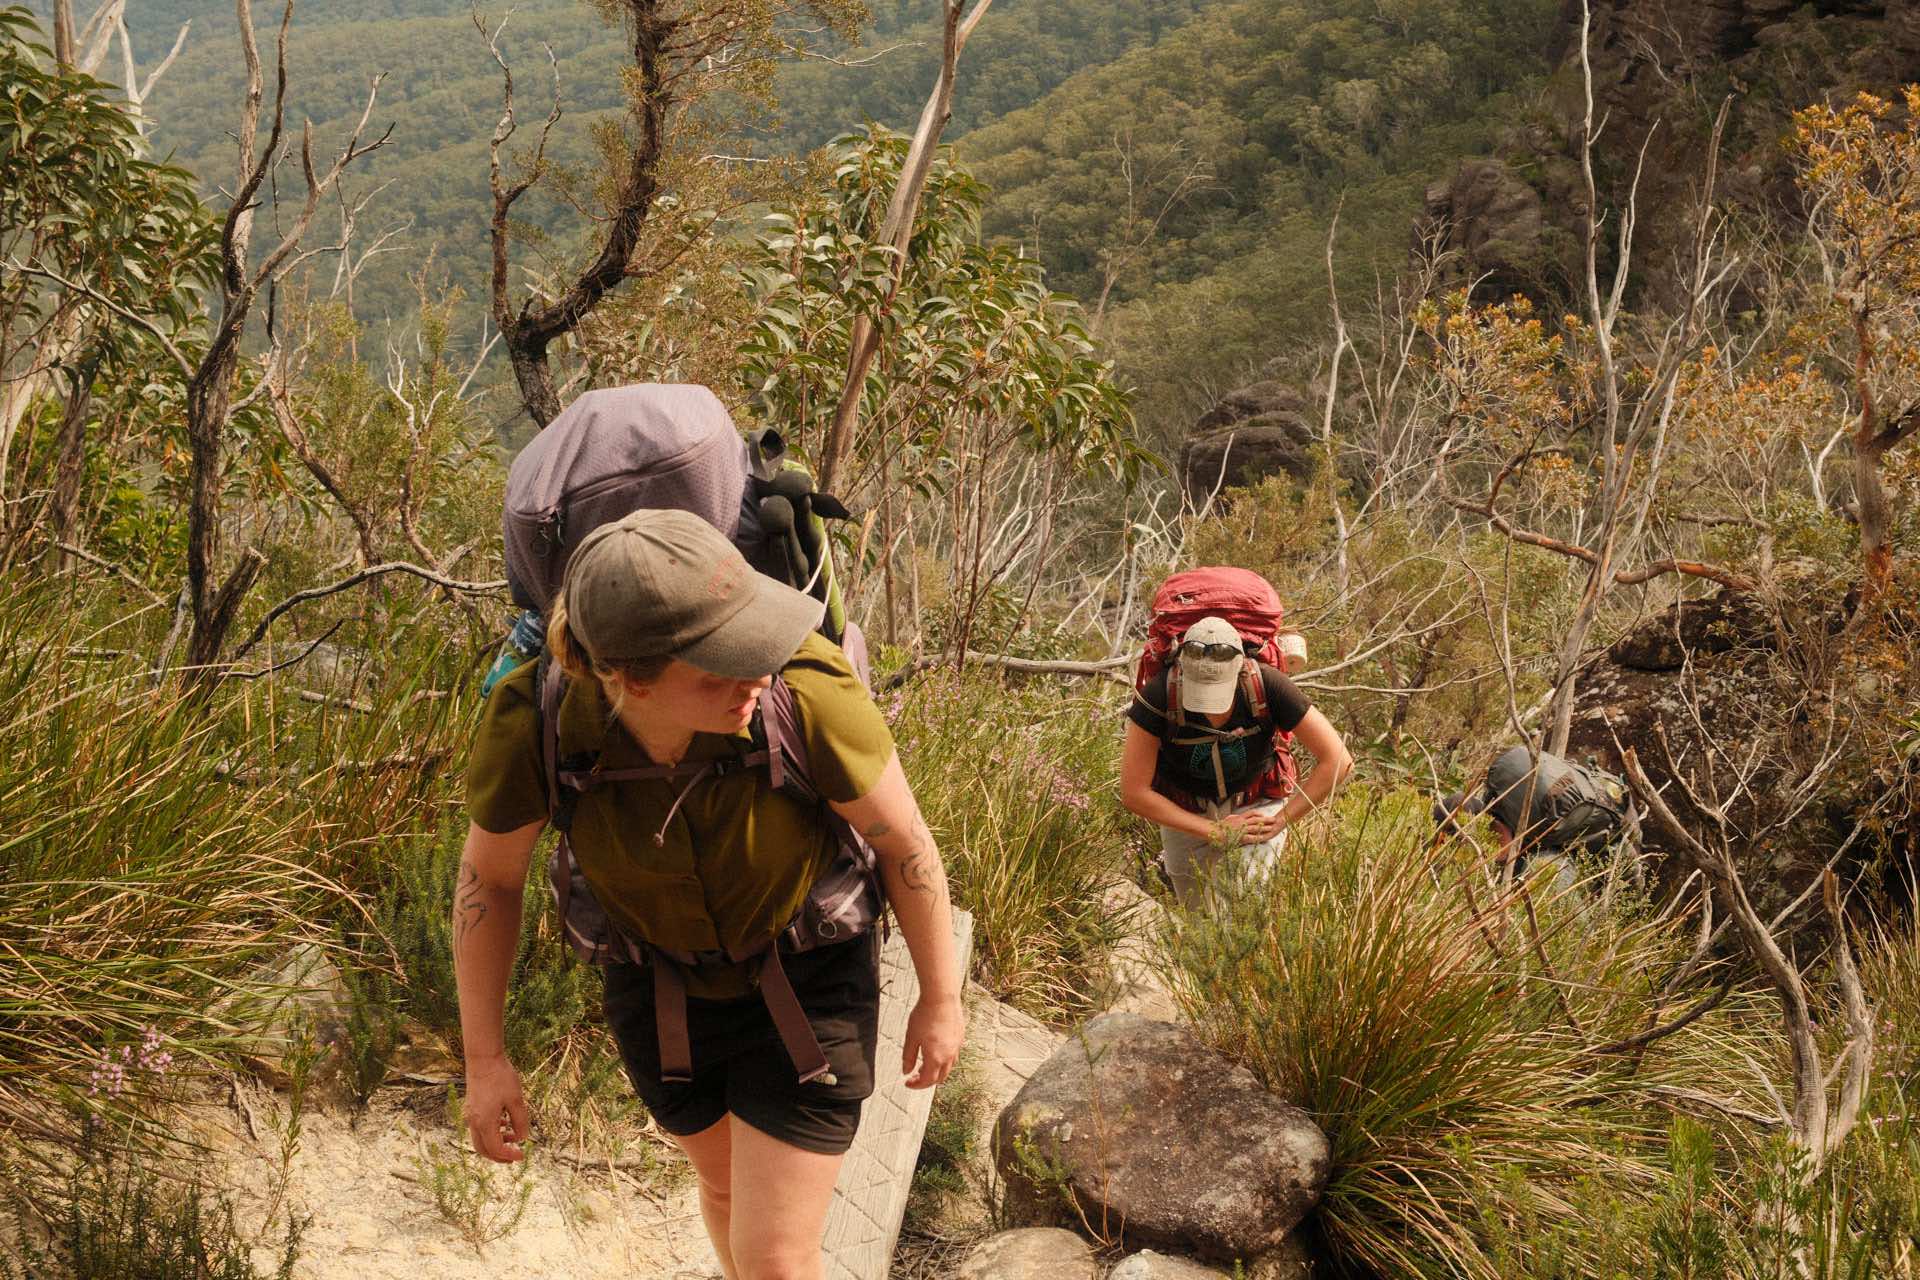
(1104, 668)
(330, 700)
(1721, 1105)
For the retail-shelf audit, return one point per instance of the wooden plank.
(870, 1199)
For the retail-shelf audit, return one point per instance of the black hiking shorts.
(739, 1063)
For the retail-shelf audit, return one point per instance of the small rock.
(1148, 1265)
(298, 997)
(1032, 1253)
(1136, 1125)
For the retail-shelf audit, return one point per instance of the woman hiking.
(1202, 738)
(669, 641)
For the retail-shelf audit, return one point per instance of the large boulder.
(1030, 1253)
(1257, 431)
(1136, 1128)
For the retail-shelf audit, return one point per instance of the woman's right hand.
(1251, 827)
(496, 1109)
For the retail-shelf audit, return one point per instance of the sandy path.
(359, 1177)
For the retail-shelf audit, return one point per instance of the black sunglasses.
(1214, 652)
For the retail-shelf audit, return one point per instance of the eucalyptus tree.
(692, 60)
(103, 247)
(984, 395)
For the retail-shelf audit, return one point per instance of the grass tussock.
(1443, 1033)
(1018, 785)
(158, 849)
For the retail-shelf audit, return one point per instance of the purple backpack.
(609, 453)
(616, 451)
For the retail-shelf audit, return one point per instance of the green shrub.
(1019, 784)
(118, 1220)
(373, 1026)
(157, 852)
(1441, 1033)
(548, 995)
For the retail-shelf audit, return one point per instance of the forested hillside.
(1174, 163)
(441, 92)
(1243, 133)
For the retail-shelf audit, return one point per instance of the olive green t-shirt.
(728, 867)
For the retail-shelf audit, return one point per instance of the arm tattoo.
(878, 830)
(470, 903)
(920, 870)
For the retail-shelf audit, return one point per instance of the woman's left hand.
(934, 1031)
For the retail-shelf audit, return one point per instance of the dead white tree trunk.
(897, 231)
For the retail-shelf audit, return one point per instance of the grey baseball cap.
(668, 584)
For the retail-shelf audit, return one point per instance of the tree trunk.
(897, 230)
(1869, 494)
(209, 406)
(535, 376)
(529, 333)
(63, 34)
(72, 454)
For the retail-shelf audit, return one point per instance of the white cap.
(1207, 684)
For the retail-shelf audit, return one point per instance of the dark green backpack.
(1556, 804)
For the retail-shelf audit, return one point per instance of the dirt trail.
(373, 1217)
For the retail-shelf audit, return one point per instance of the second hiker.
(1208, 755)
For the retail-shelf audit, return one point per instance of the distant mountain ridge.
(442, 93)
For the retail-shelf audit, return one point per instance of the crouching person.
(1546, 809)
(1208, 758)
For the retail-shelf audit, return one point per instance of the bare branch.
(111, 567)
(355, 579)
(294, 661)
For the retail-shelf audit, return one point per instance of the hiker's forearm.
(486, 934)
(916, 884)
(888, 818)
(1313, 794)
(1156, 808)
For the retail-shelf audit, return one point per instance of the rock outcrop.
(1137, 1129)
(1490, 221)
(1257, 431)
(1654, 62)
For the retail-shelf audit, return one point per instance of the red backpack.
(1249, 602)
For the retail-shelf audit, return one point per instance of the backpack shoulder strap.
(1176, 714)
(1253, 682)
(550, 685)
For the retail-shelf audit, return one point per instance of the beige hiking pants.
(1201, 870)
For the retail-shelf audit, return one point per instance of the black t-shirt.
(1189, 769)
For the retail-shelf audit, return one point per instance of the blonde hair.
(580, 664)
